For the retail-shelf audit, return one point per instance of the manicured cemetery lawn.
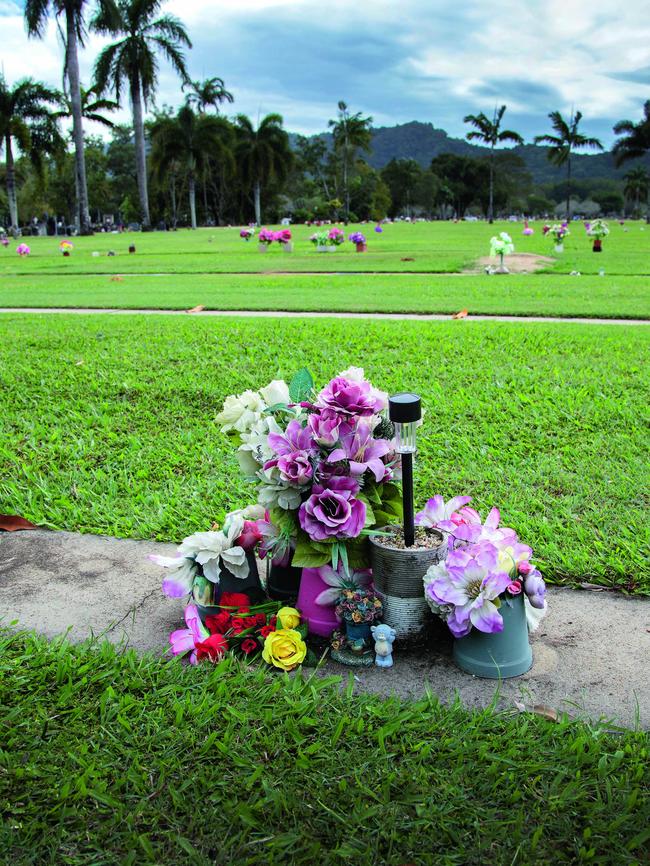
(107, 424)
(433, 247)
(525, 295)
(109, 758)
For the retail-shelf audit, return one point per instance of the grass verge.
(107, 425)
(108, 758)
(529, 295)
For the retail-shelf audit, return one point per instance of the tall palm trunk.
(192, 192)
(568, 188)
(172, 190)
(11, 188)
(258, 206)
(345, 182)
(140, 153)
(72, 71)
(491, 203)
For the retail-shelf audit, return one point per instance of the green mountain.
(422, 141)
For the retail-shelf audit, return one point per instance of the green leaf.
(335, 555)
(302, 630)
(343, 553)
(370, 514)
(306, 557)
(301, 385)
(285, 521)
(311, 659)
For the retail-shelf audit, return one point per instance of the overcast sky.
(425, 60)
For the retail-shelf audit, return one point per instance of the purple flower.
(295, 438)
(439, 514)
(378, 229)
(295, 468)
(184, 640)
(470, 583)
(333, 512)
(470, 530)
(350, 398)
(338, 580)
(326, 427)
(363, 451)
(535, 589)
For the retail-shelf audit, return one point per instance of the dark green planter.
(250, 585)
(357, 630)
(283, 582)
(501, 655)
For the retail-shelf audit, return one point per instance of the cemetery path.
(591, 652)
(297, 314)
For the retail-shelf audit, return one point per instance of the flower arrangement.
(598, 229)
(360, 606)
(66, 247)
(323, 462)
(247, 233)
(266, 236)
(335, 237)
(274, 633)
(501, 245)
(378, 229)
(283, 236)
(202, 557)
(558, 231)
(486, 567)
(22, 250)
(4, 240)
(319, 239)
(357, 238)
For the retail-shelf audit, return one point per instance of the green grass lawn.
(108, 758)
(107, 424)
(434, 247)
(526, 295)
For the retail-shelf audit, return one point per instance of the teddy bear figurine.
(384, 637)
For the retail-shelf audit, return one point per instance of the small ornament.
(384, 637)
(353, 652)
(110, 253)
(132, 248)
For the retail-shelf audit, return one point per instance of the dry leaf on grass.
(462, 314)
(407, 259)
(12, 523)
(198, 309)
(117, 279)
(593, 587)
(545, 712)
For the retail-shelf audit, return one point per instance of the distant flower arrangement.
(266, 236)
(66, 247)
(598, 229)
(23, 250)
(248, 233)
(502, 245)
(283, 236)
(357, 238)
(378, 229)
(558, 232)
(335, 237)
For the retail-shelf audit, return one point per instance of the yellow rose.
(284, 649)
(288, 617)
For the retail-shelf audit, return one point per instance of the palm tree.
(637, 185)
(490, 132)
(37, 13)
(636, 141)
(185, 143)
(263, 154)
(210, 92)
(26, 120)
(564, 143)
(350, 132)
(132, 60)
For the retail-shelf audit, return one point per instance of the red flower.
(250, 536)
(218, 623)
(243, 610)
(260, 619)
(238, 625)
(213, 647)
(273, 621)
(266, 630)
(249, 645)
(234, 599)
(250, 621)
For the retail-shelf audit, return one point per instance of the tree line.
(192, 165)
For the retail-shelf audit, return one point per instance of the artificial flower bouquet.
(323, 462)
(501, 245)
(266, 237)
(319, 239)
(359, 606)
(335, 237)
(247, 233)
(283, 236)
(66, 247)
(598, 229)
(22, 250)
(268, 631)
(202, 558)
(486, 567)
(357, 238)
(558, 231)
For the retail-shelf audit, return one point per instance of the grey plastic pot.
(397, 575)
(500, 655)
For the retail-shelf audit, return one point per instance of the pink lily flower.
(184, 640)
(337, 582)
(438, 514)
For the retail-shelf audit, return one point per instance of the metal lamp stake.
(405, 410)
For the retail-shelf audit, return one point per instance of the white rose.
(240, 411)
(276, 391)
(353, 374)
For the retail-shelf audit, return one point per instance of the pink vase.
(320, 619)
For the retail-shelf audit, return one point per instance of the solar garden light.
(405, 410)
